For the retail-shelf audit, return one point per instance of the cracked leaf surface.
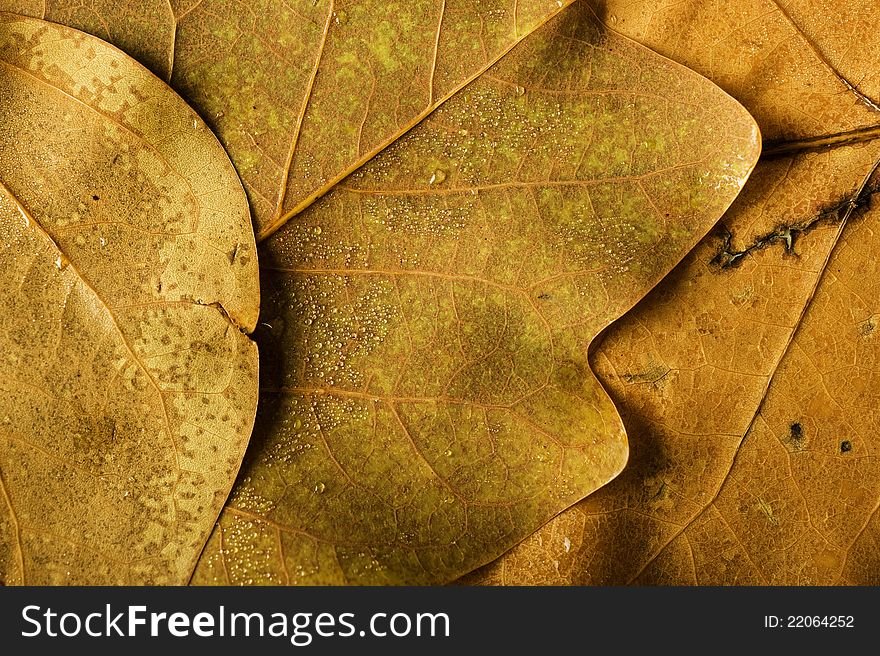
(301, 92)
(127, 275)
(745, 379)
(426, 396)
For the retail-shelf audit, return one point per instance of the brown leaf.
(426, 396)
(127, 275)
(302, 92)
(746, 378)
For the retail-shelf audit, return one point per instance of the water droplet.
(437, 177)
(447, 453)
(320, 487)
(317, 230)
(341, 17)
(519, 90)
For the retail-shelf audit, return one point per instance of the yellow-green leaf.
(747, 379)
(301, 92)
(426, 396)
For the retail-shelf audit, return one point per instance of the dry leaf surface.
(128, 274)
(746, 379)
(301, 92)
(426, 397)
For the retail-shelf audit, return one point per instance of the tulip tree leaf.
(747, 379)
(426, 398)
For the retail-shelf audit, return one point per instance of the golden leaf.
(426, 397)
(302, 92)
(127, 274)
(747, 379)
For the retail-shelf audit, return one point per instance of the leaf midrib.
(820, 278)
(34, 224)
(433, 105)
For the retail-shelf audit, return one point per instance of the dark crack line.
(217, 305)
(788, 234)
(849, 208)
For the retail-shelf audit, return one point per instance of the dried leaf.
(426, 397)
(127, 274)
(302, 92)
(747, 379)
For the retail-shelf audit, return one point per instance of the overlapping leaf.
(127, 274)
(747, 379)
(426, 397)
(301, 92)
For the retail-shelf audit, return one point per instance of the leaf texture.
(128, 277)
(426, 396)
(301, 92)
(746, 379)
